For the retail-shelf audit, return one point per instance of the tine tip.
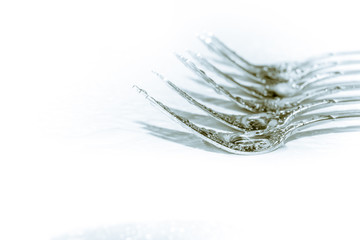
(137, 88)
(181, 57)
(141, 91)
(159, 75)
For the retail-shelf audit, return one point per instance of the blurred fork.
(248, 144)
(270, 105)
(280, 80)
(278, 89)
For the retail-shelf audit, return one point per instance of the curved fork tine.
(213, 137)
(214, 100)
(219, 89)
(233, 89)
(230, 120)
(210, 38)
(248, 89)
(249, 71)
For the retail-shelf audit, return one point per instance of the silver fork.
(248, 144)
(256, 123)
(279, 89)
(279, 80)
(270, 105)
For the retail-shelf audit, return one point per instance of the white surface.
(73, 156)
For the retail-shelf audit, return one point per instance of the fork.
(256, 123)
(280, 80)
(279, 89)
(248, 144)
(269, 105)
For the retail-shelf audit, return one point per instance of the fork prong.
(219, 89)
(216, 46)
(216, 138)
(233, 121)
(209, 38)
(251, 90)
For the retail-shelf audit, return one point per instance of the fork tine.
(242, 103)
(216, 46)
(248, 89)
(233, 121)
(225, 103)
(212, 67)
(210, 38)
(230, 88)
(218, 139)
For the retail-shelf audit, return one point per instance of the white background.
(74, 155)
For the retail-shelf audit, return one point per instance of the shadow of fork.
(183, 138)
(315, 132)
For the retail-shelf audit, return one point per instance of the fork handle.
(326, 90)
(326, 56)
(318, 104)
(321, 118)
(319, 77)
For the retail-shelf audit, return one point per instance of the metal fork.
(278, 80)
(248, 144)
